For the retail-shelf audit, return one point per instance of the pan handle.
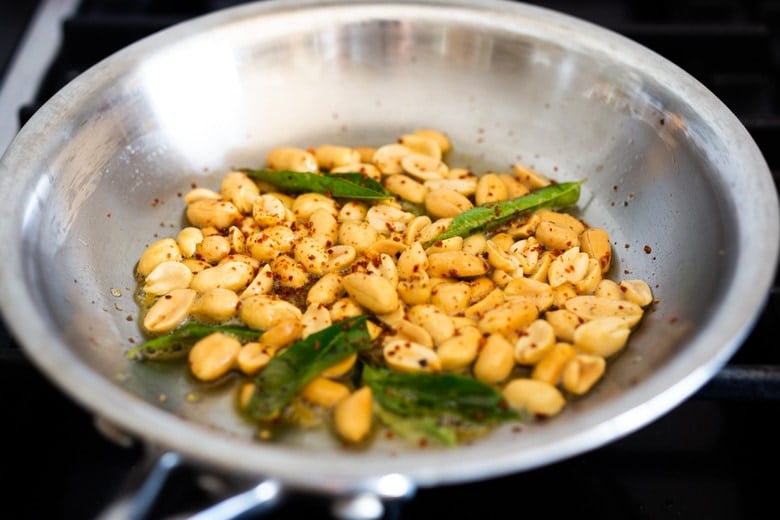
(145, 487)
(251, 503)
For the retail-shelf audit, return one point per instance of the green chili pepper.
(177, 343)
(290, 370)
(337, 185)
(488, 216)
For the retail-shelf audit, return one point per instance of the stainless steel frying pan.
(97, 173)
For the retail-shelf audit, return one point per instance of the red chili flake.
(167, 296)
(626, 246)
(317, 345)
(423, 443)
(155, 202)
(648, 249)
(422, 362)
(673, 319)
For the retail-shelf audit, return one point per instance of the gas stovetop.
(705, 459)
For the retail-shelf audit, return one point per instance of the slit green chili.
(177, 343)
(338, 185)
(488, 216)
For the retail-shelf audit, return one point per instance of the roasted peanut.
(434, 320)
(282, 332)
(167, 276)
(582, 372)
(406, 356)
(440, 137)
(373, 292)
(187, 239)
(509, 316)
(406, 188)
(163, 250)
(213, 248)
(550, 367)
(460, 350)
(456, 264)
(269, 210)
(595, 242)
(230, 275)
(330, 156)
(590, 307)
(218, 213)
(262, 312)
(490, 189)
(564, 322)
(239, 189)
(530, 178)
(340, 368)
(445, 203)
(289, 272)
(169, 311)
(316, 318)
(253, 357)
(325, 290)
(423, 167)
(451, 297)
(422, 143)
(291, 158)
(535, 341)
(213, 356)
(324, 392)
(533, 396)
(359, 235)
(636, 291)
(495, 361)
(353, 415)
(571, 266)
(215, 305)
(388, 158)
(602, 336)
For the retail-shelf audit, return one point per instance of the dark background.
(715, 456)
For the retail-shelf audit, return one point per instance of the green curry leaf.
(290, 370)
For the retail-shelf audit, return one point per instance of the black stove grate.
(702, 460)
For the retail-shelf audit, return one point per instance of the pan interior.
(113, 153)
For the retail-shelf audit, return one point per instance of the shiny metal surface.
(99, 170)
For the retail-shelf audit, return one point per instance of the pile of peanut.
(527, 308)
